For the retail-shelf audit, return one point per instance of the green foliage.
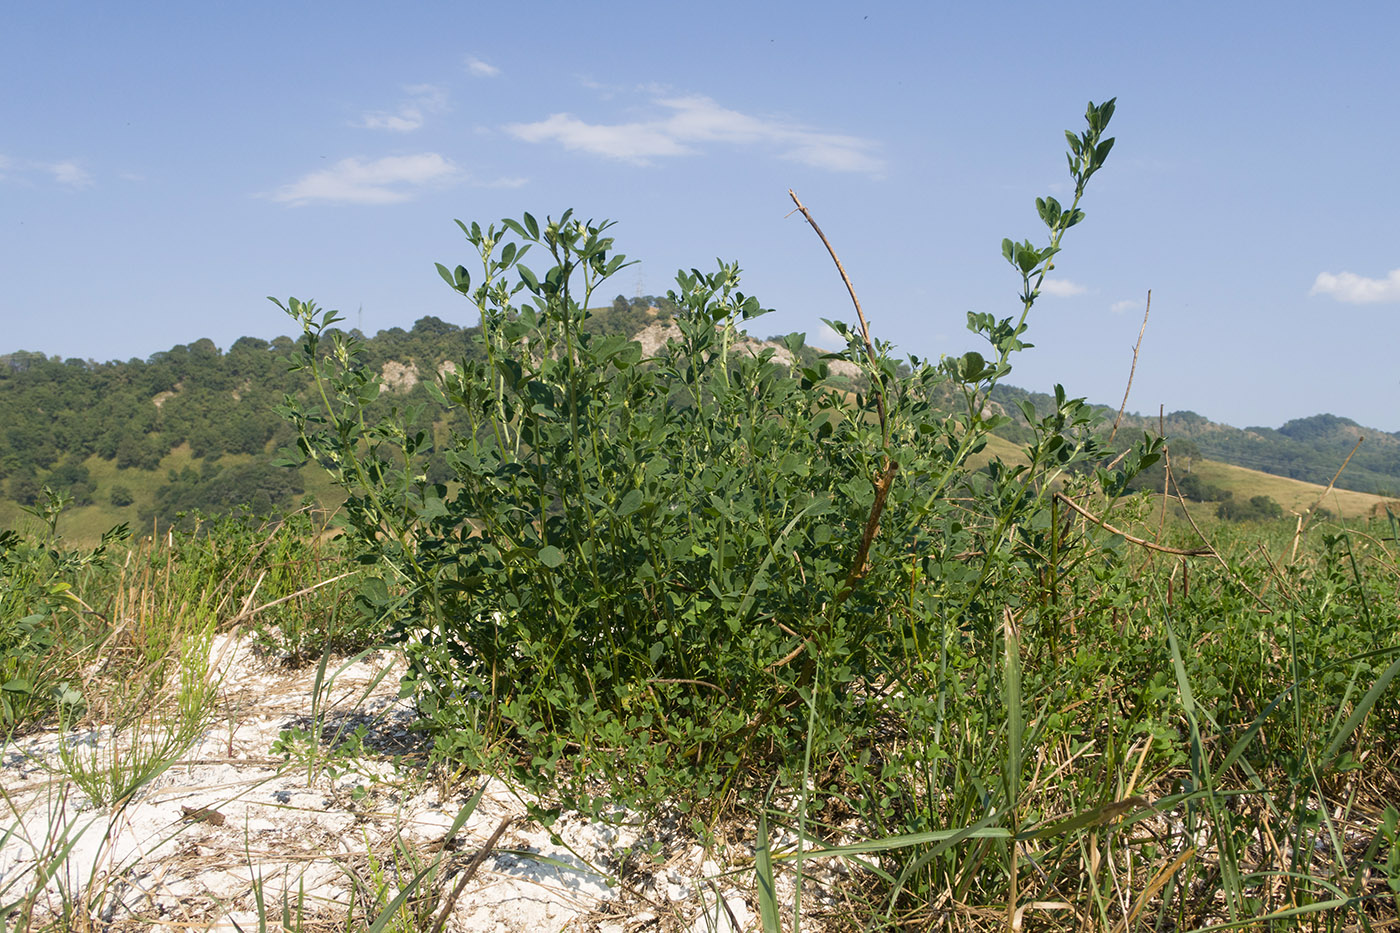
(655, 563)
(1256, 509)
(39, 647)
(287, 574)
(25, 489)
(747, 589)
(260, 487)
(1193, 487)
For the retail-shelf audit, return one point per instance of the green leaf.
(971, 365)
(1027, 258)
(551, 556)
(1359, 714)
(767, 889)
(630, 503)
(532, 226)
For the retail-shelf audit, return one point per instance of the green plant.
(630, 545)
(43, 633)
(345, 747)
(1258, 508)
(145, 741)
(704, 576)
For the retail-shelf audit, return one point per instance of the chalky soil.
(330, 842)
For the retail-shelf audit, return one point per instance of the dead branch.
(1192, 552)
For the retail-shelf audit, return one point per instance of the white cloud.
(828, 339)
(425, 99)
(480, 68)
(694, 119)
(630, 142)
(1062, 288)
(382, 181)
(1358, 289)
(67, 173)
(1118, 307)
(70, 174)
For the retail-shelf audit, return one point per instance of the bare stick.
(864, 327)
(1263, 606)
(888, 469)
(467, 873)
(1313, 507)
(1167, 464)
(277, 602)
(1193, 552)
(1136, 348)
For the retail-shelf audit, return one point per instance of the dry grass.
(1294, 495)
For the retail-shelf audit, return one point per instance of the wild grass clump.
(98, 633)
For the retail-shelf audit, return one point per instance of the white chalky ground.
(191, 849)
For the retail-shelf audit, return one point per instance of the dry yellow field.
(1294, 495)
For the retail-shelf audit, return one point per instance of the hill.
(197, 428)
(1309, 449)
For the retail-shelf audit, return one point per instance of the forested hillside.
(61, 417)
(1310, 449)
(196, 428)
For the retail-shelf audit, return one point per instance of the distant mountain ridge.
(1311, 449)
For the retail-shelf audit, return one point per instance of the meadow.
(805, 627)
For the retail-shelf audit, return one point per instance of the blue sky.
(165, 167)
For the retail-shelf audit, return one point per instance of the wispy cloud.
(1358, 289)
(1118, 307)
(1062, 288)
(424, 99)
(688, 122)
(630, 142)
(389, 180)
(67, 172)
(480, 68)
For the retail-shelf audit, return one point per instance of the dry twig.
(1136, 348)
(1192, 552)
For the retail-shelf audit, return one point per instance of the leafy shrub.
(25, 488)
(1193, 487)
(679, 567)
(1257, 509)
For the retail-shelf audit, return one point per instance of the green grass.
(1151, 753)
